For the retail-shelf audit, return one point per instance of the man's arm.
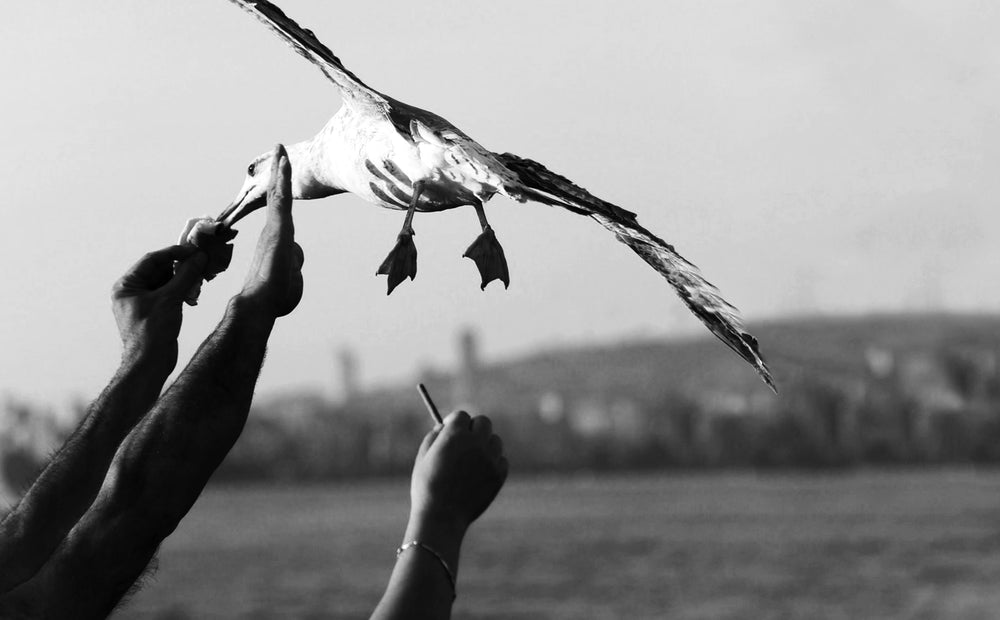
(147, 308)
(459, 470)
(164, 464)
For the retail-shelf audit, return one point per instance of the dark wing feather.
(305, 43)
(699, 295)
(406, 119)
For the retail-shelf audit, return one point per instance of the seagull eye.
(251, 168)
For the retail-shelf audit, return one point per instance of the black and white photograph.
(706, 324)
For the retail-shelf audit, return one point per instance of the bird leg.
(486, 252)
(402, 260)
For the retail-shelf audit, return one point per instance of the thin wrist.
(443, 532)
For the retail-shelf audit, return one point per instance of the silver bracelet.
(444, 565)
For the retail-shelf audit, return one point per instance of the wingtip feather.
(698, 294)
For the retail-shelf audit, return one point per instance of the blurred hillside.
(877, 389)
(837, 350)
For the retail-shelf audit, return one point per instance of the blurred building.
(892, 389)
(347, 366)
(465, 381)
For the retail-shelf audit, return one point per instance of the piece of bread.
(213, 238)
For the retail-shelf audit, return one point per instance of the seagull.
(398, 156)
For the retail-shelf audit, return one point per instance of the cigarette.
(431, 409)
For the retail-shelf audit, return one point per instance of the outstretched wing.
(698, 294)
(305, 43)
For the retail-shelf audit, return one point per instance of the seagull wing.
(700, 296)
(305, 43)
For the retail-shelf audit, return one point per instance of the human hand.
(275, 277)
(459, 470)
(146, 301)
(211, 237)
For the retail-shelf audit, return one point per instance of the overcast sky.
(810, 157)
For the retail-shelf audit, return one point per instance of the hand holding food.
(213, 238)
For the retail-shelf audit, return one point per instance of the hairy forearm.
(189, 431)
(67, 486)
(419, 587)
(162, 466)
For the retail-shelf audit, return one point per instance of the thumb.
(428, 441)
(279, 194)
(188, 273)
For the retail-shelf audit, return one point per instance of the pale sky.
(809, 156)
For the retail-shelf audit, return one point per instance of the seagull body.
(400, 157)
(454, 174)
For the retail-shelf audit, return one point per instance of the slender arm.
(459, 470)
(419, 587)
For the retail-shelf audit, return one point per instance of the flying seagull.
(401, 157)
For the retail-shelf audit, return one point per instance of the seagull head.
(307, 183)
(253, 194)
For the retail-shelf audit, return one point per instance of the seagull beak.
(240, 208)
(227, 213)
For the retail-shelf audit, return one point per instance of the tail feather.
(698, 294)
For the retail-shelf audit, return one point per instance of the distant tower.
(348, 365)
(465, 388)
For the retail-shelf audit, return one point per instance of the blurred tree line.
(911, 407)
(923, 408)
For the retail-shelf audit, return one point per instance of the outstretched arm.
(164, 464)
(147, 307)
(459, 470)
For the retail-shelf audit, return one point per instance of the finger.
(164, 257)
(154, 269)
(428, 441)
(503, 468)
(279, 194)
(494, 445)
(457, 419)
(171, 253)
(189, 272)
(481, 425)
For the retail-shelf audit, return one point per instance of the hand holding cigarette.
(459, 469)
(431, 407)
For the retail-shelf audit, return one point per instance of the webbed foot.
(401, 261)
(486, 252)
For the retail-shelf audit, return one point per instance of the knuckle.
(119, 288)
(483, 423)
(457, 420)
